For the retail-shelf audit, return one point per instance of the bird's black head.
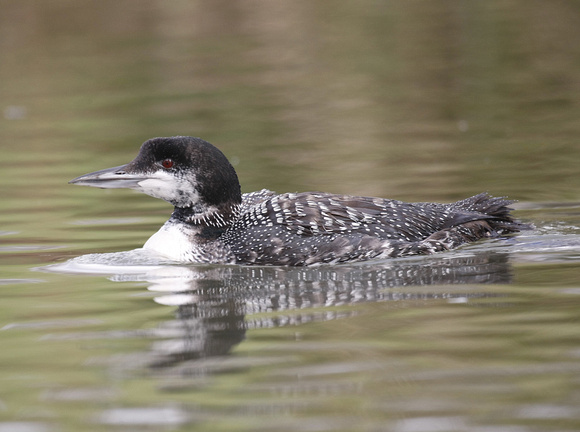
(189, 169)
(185, 171)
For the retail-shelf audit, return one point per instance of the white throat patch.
(177, 190)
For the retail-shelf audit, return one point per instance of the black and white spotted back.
(309, 227)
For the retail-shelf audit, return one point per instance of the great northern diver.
(214, 223)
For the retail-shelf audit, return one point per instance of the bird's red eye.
(167, 163)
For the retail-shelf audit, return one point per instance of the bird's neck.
(221, 216)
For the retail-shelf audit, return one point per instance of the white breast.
(177, 241)
(172, 242)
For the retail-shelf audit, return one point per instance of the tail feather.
(495, 211)
(485, 203)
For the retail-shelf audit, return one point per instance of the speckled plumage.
(309, 228)
(213, 223)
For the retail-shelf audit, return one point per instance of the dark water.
(418, 101)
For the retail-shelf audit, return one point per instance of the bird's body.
(214, 223)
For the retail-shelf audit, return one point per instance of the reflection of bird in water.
(217, 304)
(214, 223)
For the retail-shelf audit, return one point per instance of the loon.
(213, 222)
